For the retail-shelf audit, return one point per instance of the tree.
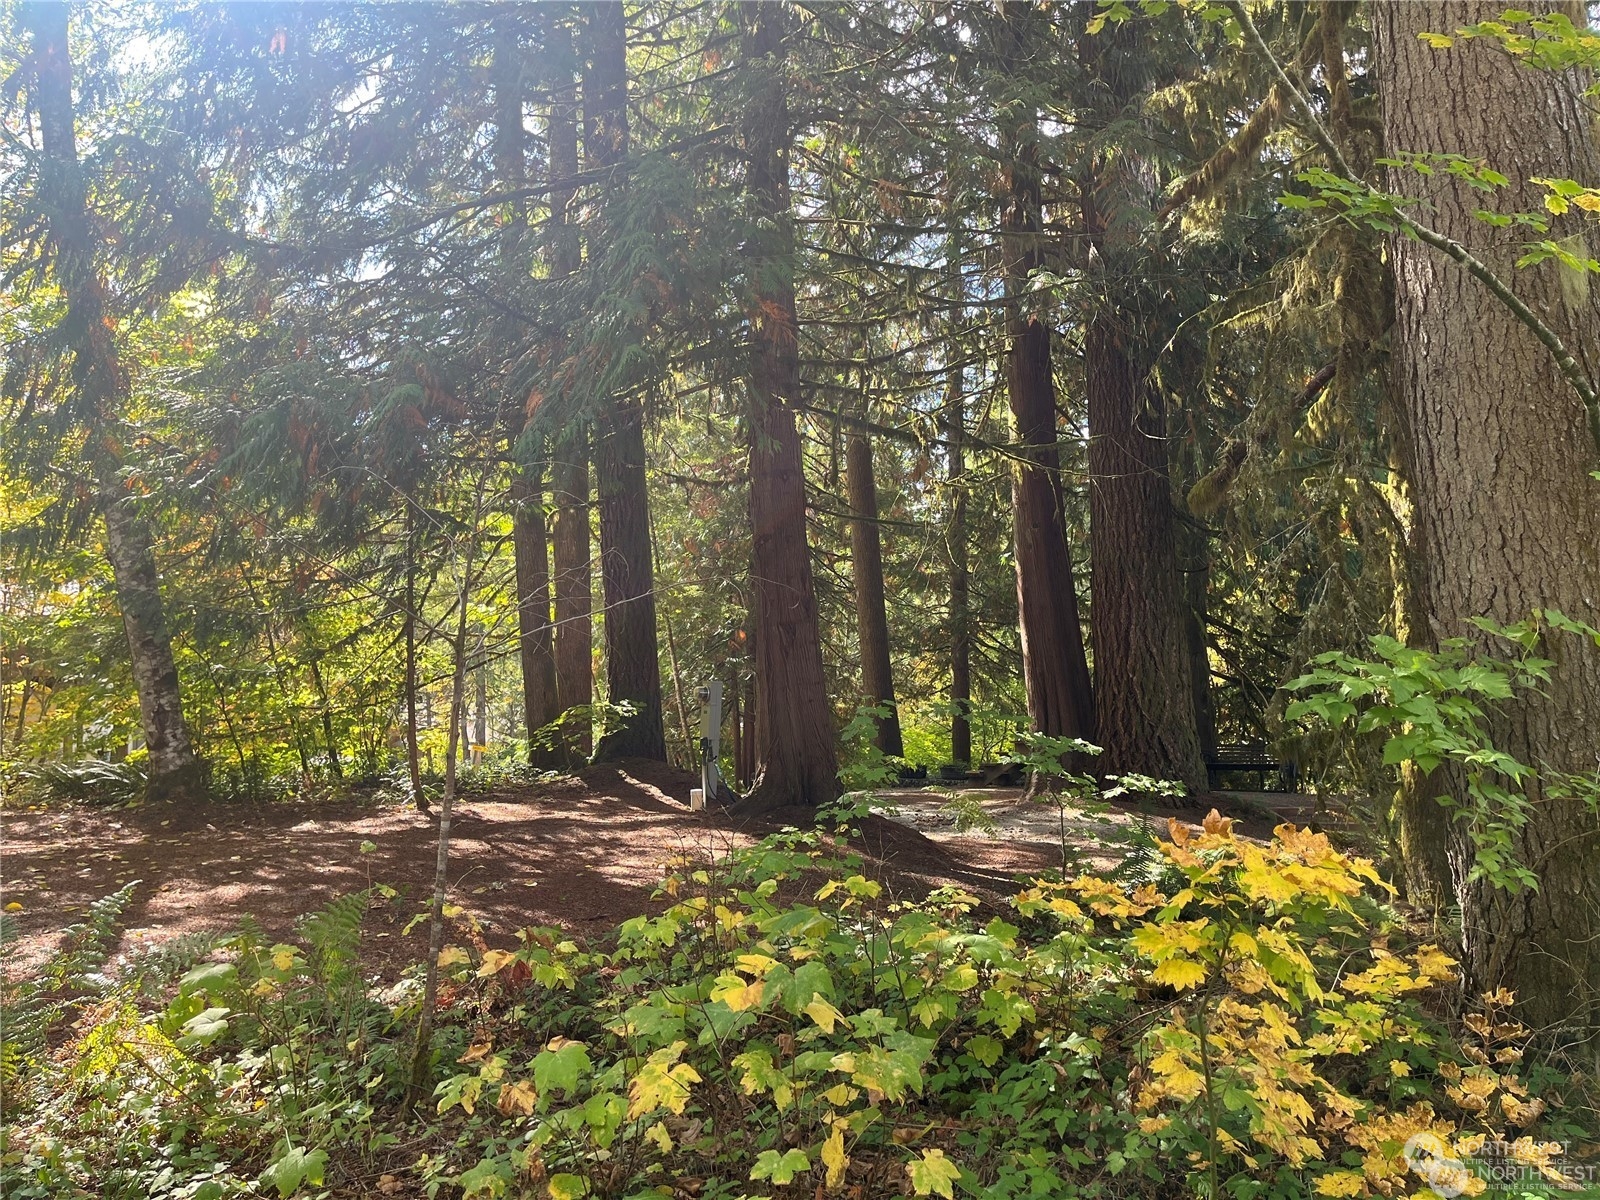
(1144, 702)
(1499, 461)
(101, 385)
(633, 666)
(796, 759)
(540, 705)
(572, 569)
(866, 564)
(1054, 665)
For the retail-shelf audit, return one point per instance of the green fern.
(1144, 862)
(32, 1007)
(155, 966)
(334, 938)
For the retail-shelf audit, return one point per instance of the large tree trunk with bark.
(866, 567)
(1506, 512)
(569, 468)
(954, 420)
(796, 758)
(1144, 697)
(540, 703)
(1054, 666)
(1144, 694)
(175, 772)
(574, 633)
(633, 667)
(529, 537)
(960, 577)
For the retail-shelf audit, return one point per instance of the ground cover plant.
(1235, 1018)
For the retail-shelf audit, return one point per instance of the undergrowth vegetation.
(1228, 1018)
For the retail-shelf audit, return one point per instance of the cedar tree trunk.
(795, 753)
(633, 667)
(872, 618)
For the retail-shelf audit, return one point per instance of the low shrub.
(1230, 1019)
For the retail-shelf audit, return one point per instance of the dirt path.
(581, 853)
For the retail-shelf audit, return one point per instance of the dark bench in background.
(1254, 759)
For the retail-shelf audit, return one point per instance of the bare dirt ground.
(583, 853)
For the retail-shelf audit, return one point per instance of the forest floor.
(584, 853)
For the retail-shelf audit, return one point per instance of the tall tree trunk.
(633, 667)
(574, 632)
(796, 758)
(960, 581)
(1506, 514)
(102, 393)
(1144, 698)
(540, 702)
(1054, 666)
(866, 564)
(954, 419)
(530, 543)
(569, 468)
(413, 761)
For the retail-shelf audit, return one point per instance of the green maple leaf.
(933, 1173)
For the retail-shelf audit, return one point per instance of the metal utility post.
(712, 789)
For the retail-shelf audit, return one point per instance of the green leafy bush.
(1230, 1018)
(782, 1029)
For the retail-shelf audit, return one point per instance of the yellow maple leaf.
(1342, 1183)
(823, 1013)
(1180, 973)
(834, 1157)
(495, 961)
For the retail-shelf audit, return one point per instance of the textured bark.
(529, 538)
(1054, 666)
(633, 668)
(796, 759)
(409, 633)
(175, 773)
(1144, 692)
(573, 568)
(954, 420)
(574, 632)
(1506, 515)
(960, 582)
(540, 703)
(866, 567)
(1144, 697)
